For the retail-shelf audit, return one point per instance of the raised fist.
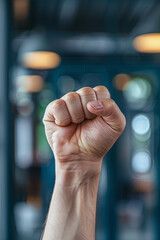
(80, 128)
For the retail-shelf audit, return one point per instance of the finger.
(110, 112)
(74, 106)
(57, 111)
(48, 115)
(87, 94)
(101, 92)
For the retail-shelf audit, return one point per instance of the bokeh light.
(30, 83)
(41, 60)
(147, 43)
(138, 92)
(141, 127)
(121, 81)
(141, 162)
(21, 9)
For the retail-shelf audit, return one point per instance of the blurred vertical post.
(4, 119)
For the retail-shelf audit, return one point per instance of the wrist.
(73, 174)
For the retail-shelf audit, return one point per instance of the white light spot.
(141, 162)
(141, 124)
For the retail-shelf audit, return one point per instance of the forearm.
(72, 211)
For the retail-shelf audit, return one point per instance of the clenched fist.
(80, 128)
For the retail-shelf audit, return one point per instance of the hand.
(80, 128)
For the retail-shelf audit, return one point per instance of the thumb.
(110, 112)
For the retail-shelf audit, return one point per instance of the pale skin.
(80, 128)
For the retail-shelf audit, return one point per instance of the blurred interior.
(48, 48)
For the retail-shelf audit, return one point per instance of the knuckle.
(86, 91)
(49, 106)
(102, 89)
(57, 104)
(71, 96)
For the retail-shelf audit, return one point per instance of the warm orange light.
(41, 60)
(20, 9)
(142, 186)
(30, 83)
(121, 81)
(147, 43)
(35, 200)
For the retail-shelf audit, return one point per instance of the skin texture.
(80, 128)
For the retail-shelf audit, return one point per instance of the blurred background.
(51, 47)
